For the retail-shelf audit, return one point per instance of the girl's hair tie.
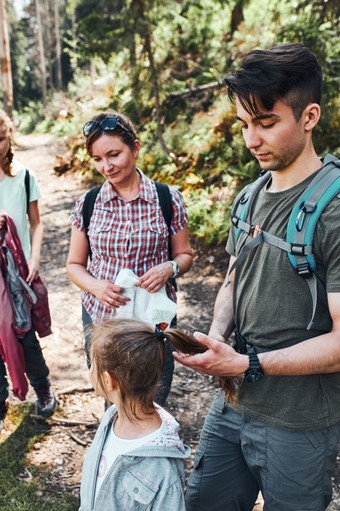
(159, 329)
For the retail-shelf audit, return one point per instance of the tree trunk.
(58, 44)
(154, 82)
(49, 46)
(134, 68)
(145, 33)
(41, 52)
(6, 70)
(74, 56)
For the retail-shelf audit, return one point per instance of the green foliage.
(193, 44)
(209, 218)
(18, 490)
(29, 116)
(315, 28)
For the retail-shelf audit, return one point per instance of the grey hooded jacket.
(148, 478)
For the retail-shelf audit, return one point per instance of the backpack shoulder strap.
(27, 188)
(165, 201)
(244, 205)
(90, 199)
(167, 208)
(301, 225)
(307, 210)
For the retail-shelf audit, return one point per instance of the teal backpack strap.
(244, 205)
(300, 229)
(241, 214)
(301, 225)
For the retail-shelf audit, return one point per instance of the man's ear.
(311, 116)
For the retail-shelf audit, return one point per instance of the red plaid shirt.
(126, 234)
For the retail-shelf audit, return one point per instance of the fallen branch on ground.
(78, 440)
(65, 422)
(73, 390)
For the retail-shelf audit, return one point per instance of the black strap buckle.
(241, 345)
(235, 220)
(304, 270)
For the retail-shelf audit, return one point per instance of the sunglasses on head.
(106, 124)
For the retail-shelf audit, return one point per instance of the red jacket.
(38, 314)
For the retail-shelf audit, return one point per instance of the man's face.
(274, 137)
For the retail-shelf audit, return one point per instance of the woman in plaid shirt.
(127, 230)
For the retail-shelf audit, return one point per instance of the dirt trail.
(63, 449)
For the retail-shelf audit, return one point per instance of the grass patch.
(37, 494)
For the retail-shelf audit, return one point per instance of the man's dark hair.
(286, 72)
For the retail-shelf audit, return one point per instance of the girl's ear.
(110, 381)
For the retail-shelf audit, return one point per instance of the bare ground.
(71, 430)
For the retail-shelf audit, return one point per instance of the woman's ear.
(137, 148)
(311, 116)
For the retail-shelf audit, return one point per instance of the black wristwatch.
(175, 268)
(255, 371)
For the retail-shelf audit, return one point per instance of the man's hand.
(219, 360)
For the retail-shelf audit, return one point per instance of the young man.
(282, 436)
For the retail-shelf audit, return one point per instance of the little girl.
(136, 459)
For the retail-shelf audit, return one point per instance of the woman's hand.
(105, 291)
(109, 294)
(156, 277)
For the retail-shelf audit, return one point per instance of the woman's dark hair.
(128, 137)
(7, 126)
(130, 351)
(286, 72)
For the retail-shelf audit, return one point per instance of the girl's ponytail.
(186, 344)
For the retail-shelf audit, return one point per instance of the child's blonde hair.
(7, 126)
(133, 354)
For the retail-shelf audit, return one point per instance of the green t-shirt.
(14, 201)
(273, 306)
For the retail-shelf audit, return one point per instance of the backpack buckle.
(297, 249)
(244, 198)
(235, 220)
(300, 218)
(304, 270)
(302, 215)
